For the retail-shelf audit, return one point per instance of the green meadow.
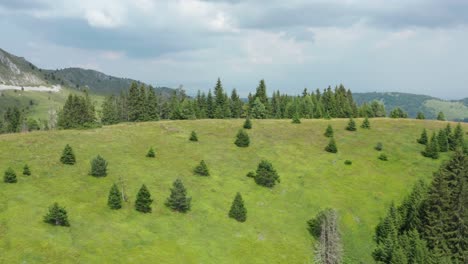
(275, 230)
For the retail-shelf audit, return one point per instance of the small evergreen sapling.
(329, 131)
(193, 136)
(432, 148)
(251, 174)
(26, 170)
(296, 119)
(57, 215)
(331, 147)
(423, 138)
(366, 124)
(98, 167)
(247, 123)
(238, 210)
(202, 169)
(443, 141)
(178, 200)
(143, 200)
(68, 157)
(10, 176)
(383, 157)
(242, 139)
(151, 153)
(379, 146)
(351, 125)
(114, 200)
(348, 162)
(266, 175)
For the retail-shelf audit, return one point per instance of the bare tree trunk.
(329, 249)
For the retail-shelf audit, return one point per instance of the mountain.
(414, 103)
(18, 71)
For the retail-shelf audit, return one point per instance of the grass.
(275, 230)
(451, 110)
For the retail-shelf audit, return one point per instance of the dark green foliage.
(348, 162)
(202, 169)
(9, 176)
(398, 113)
(432, 148)
(266, 175)
(251, 174)
(420, 115)
(423, 138)
(78, 112)
(258, 110)
(12, 117)
(238, 210)
(379, 146)
(26, 170)
(114, 201)
(57, 215)
(329, 131)
(151, 153)
(193, 136)
(442, 139)
(68, 157)
(296, 119)
(98, 167)
(331, 147)
(178, 200)
(441, 116)
(324, 228)
(456, 139)
(351, 125)
(242, 139)
(366, 124)
(247, 123)
(314, 225)
(383, 157)
(143, 200)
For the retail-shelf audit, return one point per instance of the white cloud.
(100, 18)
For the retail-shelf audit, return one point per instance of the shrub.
(57, 215)
(329, 131)
(351, 125)
(423, 138)
(202, 169)
(251, 174)
(242, 139)
(98, 167)
(151, 153)
(193, 136)
(143, 200)
(68, 157)
(331, 147)
(114, 201)
(379, 146)
(266, 175)
(238, 210)
(26, 170)
(366, 124)
(383, 157)
(348, 162)
(247, 123)
(10, 176)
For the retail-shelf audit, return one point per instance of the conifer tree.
(151, 153)
(247, 123)
(98, 167)
(351, 125)
(242, 139)
(383, 157)
(178, 200)
(329, 131)
(266, 175)
(57, 215)
(202, 169)
(457, 139)
(68, 157)
(420, 115)
(26, 170)
(114, 200)
(238, 210)
(296, 119)
(441, 116)
(143, 200)
(331, 147)
(423, 138)
(443, 141)
(432, 148)
(366, 124)
(9, 176)
(379, 146)
(193, 136)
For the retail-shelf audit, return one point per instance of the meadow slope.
(275, 230)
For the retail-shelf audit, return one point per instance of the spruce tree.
(98, 167)
(423, 138)
(57, 215)
(296, 119)
(443, 141)
(432, 148)
(114, 201)
(10, 176)
(238, 210)
(26, 170)
(457, 139)
(441, 116)
(266, 175)
(242, 139)
(379, 146)
(151, 153)
(351, 125)
(366, 124)
(68, 157)
(331, 147)
(178, 200)
(247, 123)
(143, 200)
(202, 169)
(329, 131)
(420, 115)
(193, 136)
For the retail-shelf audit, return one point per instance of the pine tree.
(423, 138)
(351, 125)
(432, 148)
(379, 146)
(26, 170)
(202, 169)
(457, 140)
(151, 153)
(366, 124)
(143, 200)
(247, 123)
(266, 175)
(420, 115)
(296, 119)
(441, 116)
(242, 139)
(443, 141)
(114, 200)
(178, 200)
(57, 215)
(331, 147)
(238, 210)
(193, 136)
(329, 131)
(68, 157)
(98, 167)
(9, 176)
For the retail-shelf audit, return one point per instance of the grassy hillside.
(275, 230)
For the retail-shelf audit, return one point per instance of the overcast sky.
(415, 46)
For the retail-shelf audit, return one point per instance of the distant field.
(451, 110)
(275, 230)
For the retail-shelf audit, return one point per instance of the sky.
(414, 46)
